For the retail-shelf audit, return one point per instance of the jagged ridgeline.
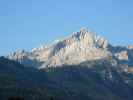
(82, 66)
(79, 47)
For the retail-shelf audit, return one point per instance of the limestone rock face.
(19, 55)
(130, 47)
(79, 47)
(123, 55)
(28, 59)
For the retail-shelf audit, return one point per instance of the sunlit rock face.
(123, 55)
(28, 59)
(79, 47)
(130, 47)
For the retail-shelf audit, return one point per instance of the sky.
(25, 24)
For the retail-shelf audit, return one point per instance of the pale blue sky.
(28, 23)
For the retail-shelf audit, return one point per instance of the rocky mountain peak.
(79, 47)
(89, 39)
(84, 34)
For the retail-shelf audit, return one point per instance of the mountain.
(79, 47)
(82, 66)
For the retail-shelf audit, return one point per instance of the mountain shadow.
(86, 81)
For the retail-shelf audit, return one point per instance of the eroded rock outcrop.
(79, 47)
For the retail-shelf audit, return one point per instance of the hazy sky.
(28, 23)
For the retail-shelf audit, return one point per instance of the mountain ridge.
(81, 66)
(79, 47)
